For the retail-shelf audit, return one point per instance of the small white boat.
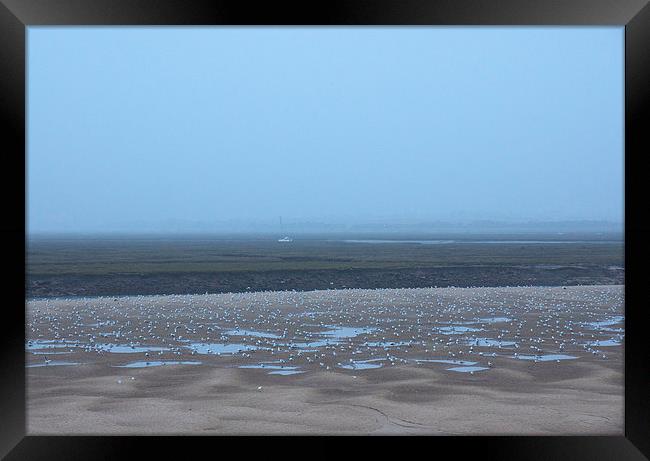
(285, 239)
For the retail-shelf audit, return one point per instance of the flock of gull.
(459, 330)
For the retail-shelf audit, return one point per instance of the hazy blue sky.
(132, 128)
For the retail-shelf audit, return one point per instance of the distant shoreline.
(457, 237)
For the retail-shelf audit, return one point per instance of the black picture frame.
(634, 15)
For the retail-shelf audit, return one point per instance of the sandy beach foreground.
(525, 360)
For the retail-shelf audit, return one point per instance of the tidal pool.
(456, 330)
(544, 358)
(217, 349)
(335, 335)
(606, 323)
(605, 343)
(53, 363)
(285, 372)
(388, 343)
(156, 364)
(467, 369)
(37, 344)
(362, 364)
(495, 319)
(340, 333)
(126, 348)
(488, 342)
(274, 368)
(51, 352)
(448, 361)
(257, 334)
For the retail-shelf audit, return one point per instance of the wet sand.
(408, 361)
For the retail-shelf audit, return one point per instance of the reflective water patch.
(340, 333)
(449, 361)
(37, 344)
(257, 334)
(51, 352)
(605, 343)
(362, 364)
(606, 323)
(495, 320)
(126, 348)
(217, 349)
(269, 366)
(544, 358)
(285, 372)
(456, 330)
(275, 368)
(310, 345)
(488, 342)
(388, 343)
(467, 369)
(155, 364)
(102, 324)
(335, 335)
(53, 363)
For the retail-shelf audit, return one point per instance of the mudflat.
(183, 265)
(505, 360)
